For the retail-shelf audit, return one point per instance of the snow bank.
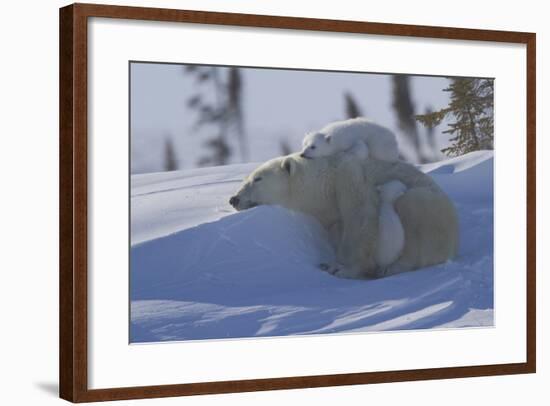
(199, 270)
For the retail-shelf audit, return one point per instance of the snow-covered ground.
(200, 270)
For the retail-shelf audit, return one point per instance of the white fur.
(358, 135)
(340, 192)
(391, 236)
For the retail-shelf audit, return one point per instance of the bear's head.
(268, 184)
(315, 145)
(293, 182)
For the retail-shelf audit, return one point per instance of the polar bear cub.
(358, 135)
(391, 236)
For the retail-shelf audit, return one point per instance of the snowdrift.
(199, 270)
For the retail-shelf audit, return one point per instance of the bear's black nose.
(234, 201)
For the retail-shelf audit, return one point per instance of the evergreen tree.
(471, 107)
(220, 152)
(430, 136)
(404, 109)
(170, 161)
(351, 106)
(223, 112)
(235, 109)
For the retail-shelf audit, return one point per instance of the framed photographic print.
(254, 202)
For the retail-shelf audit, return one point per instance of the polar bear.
(391, 236)
(341, 194)
(359, 135)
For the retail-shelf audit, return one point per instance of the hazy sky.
(278, 105)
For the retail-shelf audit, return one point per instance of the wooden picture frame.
(73, 209)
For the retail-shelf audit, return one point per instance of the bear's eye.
(313, 147)
(258, 179)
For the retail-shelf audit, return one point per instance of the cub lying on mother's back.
(358, 135)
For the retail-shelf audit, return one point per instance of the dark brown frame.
(73, 333)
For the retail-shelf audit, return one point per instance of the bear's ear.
(288, 165)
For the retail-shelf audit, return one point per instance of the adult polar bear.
(340, 191)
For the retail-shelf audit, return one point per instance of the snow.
(200, 270)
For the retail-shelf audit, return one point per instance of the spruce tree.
(430, 135)
(471, 108)
(404, 109)
(352, 109)
(170, 161)
(223, 112)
